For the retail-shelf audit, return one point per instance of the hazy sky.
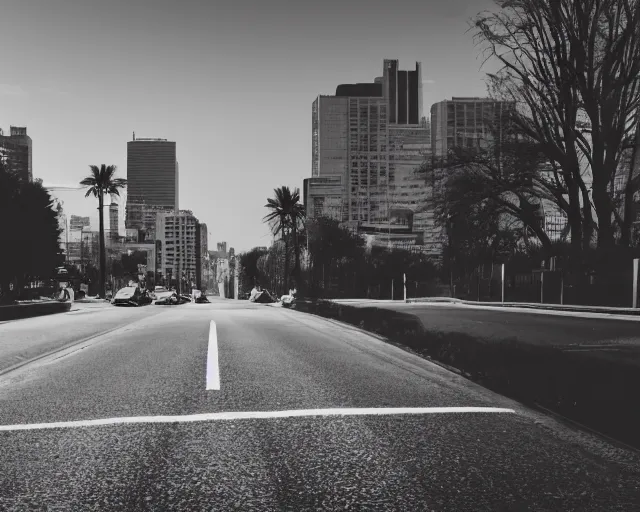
(231, 82)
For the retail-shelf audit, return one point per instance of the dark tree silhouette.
(283, 218)
(30, 231)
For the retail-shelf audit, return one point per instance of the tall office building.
(403, 92)
(202, 250)
(368, 142)
(152, 178)
(466, 122)
(113, 217)
(16, 149)
(177, 238)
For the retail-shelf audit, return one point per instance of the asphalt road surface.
(237, 406)
(539, 327)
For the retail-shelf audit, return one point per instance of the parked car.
(162, 294)
(131, 296)
(171, 298)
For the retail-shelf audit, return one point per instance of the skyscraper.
(202, 250)
(152, 178)
(368, 142)
(178, 234)
(16, 149)
(113, 217)
(465, 122)
(403, 92)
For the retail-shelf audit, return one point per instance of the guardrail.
(17, 311)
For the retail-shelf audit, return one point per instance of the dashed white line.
(213, 369)
(226, 416)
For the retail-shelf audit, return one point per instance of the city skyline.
(159, 73)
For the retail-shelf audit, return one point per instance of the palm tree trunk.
(286, 260)
(103, 263)
(296, 248)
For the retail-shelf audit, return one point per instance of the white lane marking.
(225, 416)
(213, 370)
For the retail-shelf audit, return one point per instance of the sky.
(232, 82)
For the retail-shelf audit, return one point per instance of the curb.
(548, 307)
(21, 311)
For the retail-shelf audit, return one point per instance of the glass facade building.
(152, 178)
(368, 144)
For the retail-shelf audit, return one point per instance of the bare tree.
(572, 67)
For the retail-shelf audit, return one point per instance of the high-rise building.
(202, 249)
(16, 149)
(368, 144)
(403, 92)
(152, 178)
(466, 122)
(179, 242)
(113, 217)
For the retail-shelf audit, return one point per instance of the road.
(539, 327)
(166, 442)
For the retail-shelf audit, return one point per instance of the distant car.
(171, 298)
(131, 296)
(162, 295)
(202, 299)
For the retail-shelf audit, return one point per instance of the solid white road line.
(213, 370)
(225, 416)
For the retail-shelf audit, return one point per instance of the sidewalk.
(529, 305)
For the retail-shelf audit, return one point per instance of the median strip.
(226, 416)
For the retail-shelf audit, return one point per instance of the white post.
(542, 287)
(405, 286)
(635, 283)
(561, 290)
(503, 282)
(392, 289)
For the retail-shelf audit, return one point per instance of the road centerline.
(213, 368)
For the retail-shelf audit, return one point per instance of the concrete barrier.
(17, 311)
(594, 388)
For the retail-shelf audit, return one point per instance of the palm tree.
(296, 216)
(100, 183)
(285, 213)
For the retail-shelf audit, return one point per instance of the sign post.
(503, 282)
(635, 283)
(405, 286)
